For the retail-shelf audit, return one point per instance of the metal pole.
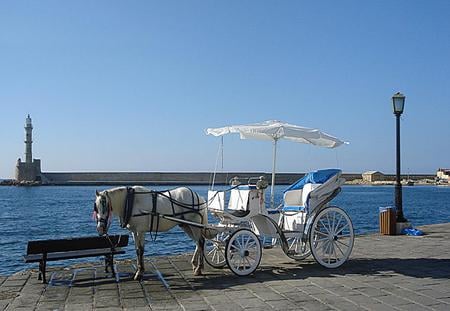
(272, 194)
(398, 185)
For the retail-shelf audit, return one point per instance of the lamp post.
(398, 102)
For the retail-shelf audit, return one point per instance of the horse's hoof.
(197, 272)
(138, 276)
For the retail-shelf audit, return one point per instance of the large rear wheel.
(331, 237)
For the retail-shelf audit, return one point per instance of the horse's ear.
(97, 193)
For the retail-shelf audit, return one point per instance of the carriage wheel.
(298, 248)
(331, 238)
(243, 252)
(214, 250)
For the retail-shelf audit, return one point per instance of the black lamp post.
(398, 102)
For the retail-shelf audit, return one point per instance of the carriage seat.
(296, 196)
(241, 203)
(296, 200)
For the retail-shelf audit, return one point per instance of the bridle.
(106, 209)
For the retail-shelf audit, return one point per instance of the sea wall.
(179, 178)
(200, 178)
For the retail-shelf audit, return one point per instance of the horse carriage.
(303, 223)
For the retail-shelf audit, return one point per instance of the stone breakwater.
(173, 178)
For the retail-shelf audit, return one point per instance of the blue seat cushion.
(293, 208)
(316, 177)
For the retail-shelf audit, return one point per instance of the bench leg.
(41, 276)
(109, 262)
(113, 271)
(106, 263)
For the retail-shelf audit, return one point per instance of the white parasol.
(273, 130)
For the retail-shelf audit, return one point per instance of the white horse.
(147, 215)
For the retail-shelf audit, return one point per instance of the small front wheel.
(243, 252)
(214, 250)
(331, 237)
(298, 249)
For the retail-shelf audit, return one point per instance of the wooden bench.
(51, 250)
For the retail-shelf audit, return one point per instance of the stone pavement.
(383, 273)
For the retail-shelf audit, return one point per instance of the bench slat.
(73, 254)
(75, 244)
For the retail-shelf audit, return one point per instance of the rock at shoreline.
(13, 182)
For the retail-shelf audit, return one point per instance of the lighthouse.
(28, 140)
(30, 170)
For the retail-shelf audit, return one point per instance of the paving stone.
(441, 307)
(393, 300)
(78, 307)
(4, 303)
(413, 307)
(250, 303)
(133, 302)
(282, 305)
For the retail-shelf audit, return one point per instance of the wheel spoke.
(343, 243)
(323, 225)
(344, 235)
(211, 251)
(320, 232)
(214, 256)
(341, 229)
(253, 243)
(334, 252)
(339, 248)
(338, 223)
(248, 262)
(322, 239)
(329, 222)
(235, 247)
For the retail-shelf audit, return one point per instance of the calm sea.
(59, 212)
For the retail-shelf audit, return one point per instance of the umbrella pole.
(272, 194)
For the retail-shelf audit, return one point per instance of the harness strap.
(171, 202)
(129, 201)
(154, 215)
(194, 205)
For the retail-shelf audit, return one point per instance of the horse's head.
(102, 211)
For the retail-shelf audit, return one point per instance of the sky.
(132, 85)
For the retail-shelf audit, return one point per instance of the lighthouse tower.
(30, 170)
(28, 140)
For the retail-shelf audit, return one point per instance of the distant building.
(30, 170)
(443, 174)
(371, 176)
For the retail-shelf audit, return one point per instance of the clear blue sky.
(131, 85)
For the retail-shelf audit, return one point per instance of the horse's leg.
(200, 244)
(194, 261)
(198, 257)
(139, 241)
(201, 259)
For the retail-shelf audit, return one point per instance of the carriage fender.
(264, 225)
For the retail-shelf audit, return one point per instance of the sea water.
(52, 212)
